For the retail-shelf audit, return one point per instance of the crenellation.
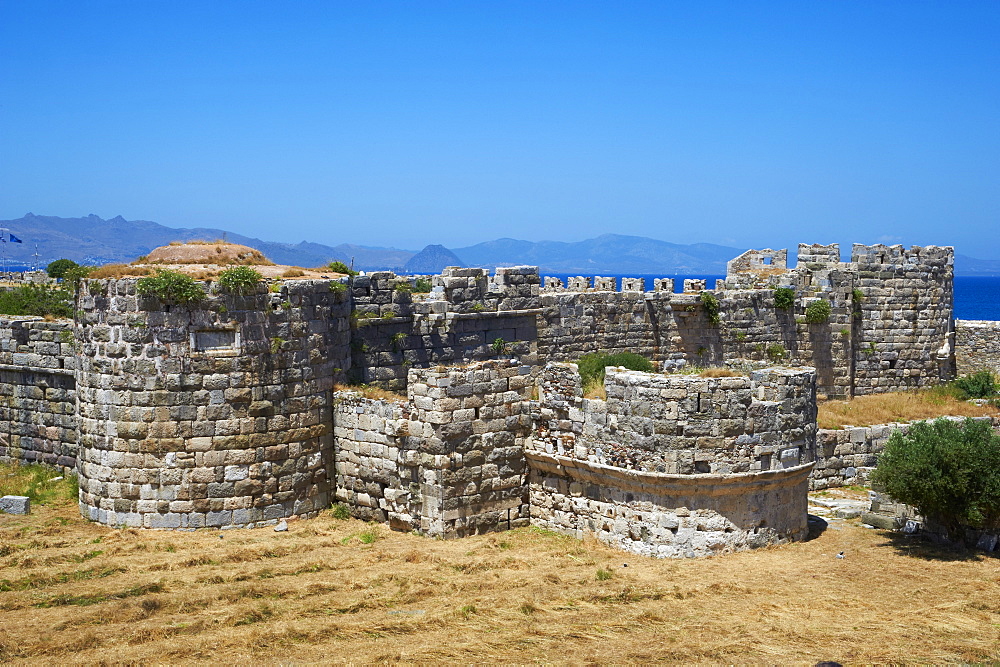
(229, 413)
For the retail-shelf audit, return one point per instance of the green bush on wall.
(784, 298)
(240, 279)
(949, 471)
(171, 286)
(710, 303)
(818, 311)
(38, 300)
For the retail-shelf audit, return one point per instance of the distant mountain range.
(93, 240)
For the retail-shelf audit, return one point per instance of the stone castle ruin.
(231, 412)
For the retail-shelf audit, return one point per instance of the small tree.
(949, 471)
(58, 268)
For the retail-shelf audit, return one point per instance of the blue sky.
(407, 123)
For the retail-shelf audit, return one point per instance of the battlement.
(897, 255)
(226, 411)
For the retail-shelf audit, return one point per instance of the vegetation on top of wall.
(949, 471)
(710, 303)
(422, 285)
(818, 311)
(592, 366)
(340, 267)
(240, 279)
(58, 268)
(784, 298)
(171, 287)
(38, 300)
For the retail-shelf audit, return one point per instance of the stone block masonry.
(674, 466)
(448, 461)
(215, 414)
(38, 421)
(977, 346)
(225, 413)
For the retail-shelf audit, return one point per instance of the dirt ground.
(345, 591)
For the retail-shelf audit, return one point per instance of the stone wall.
(674, 465)
(448, 461)
(682, 424)
(668, 516)
(394, 330)
(37, 392)
(212, 414)
(848, 455)
(977, 346)
(904, 317)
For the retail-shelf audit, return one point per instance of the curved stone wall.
(210, 415)
(664, 515)
(675, 465)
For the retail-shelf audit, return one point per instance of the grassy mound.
(36, 482)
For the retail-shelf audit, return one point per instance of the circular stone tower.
(210, 414)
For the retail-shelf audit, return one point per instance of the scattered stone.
(15, 505)
(281, 527)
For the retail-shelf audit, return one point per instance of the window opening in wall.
(215, 340)
(766, 260)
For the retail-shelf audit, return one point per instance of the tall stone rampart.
(467, 311)
(211, 414)
(37, 391)
(904, 317)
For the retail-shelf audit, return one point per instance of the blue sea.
(976, 298)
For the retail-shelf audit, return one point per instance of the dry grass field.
(345, 591)
(899, 406)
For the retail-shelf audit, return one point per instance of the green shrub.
(74, 274)
(592, 366)
(949, 471)
(422, 285)
(340, 511)
(710, 303)
(818, 311)
(499, 346)
(340, 267)
(784, 298)
(982, 384)
(171, 286)
(404, 288)
(240, 279)
(38, 300)
(857, 295)
(776, 352)
(58, 268)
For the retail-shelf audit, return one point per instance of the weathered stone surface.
(15, 505)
